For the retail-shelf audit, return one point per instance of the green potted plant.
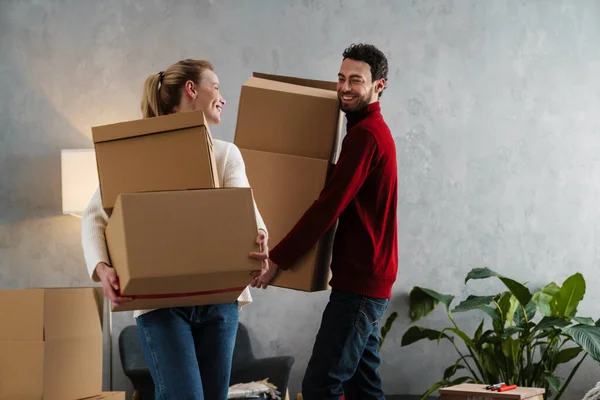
(527, 335)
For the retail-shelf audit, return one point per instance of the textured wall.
(493, 105)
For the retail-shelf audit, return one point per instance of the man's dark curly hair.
(372, 56)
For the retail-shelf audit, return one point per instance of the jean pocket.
(369, 315)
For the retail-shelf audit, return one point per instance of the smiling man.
(362, 193)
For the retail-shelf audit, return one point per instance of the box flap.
(71, 313)
(290, 88)
(108, 396)
(22, 315)
(298, 81)
(146, 126)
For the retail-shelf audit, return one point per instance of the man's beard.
(363, 102)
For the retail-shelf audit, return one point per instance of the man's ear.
(379, 85)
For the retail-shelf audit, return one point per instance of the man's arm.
(349, 174)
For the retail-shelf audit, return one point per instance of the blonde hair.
(162, 91)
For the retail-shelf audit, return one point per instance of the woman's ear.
(190, 90)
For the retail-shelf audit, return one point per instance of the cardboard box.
(50, 343)
(170, 152)
(179, 248)
(282, 204)
(108, 396)
(289, 133)
(301, 119)
(469, 391)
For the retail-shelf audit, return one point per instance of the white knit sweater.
(231, 172)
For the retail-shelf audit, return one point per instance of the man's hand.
(110, 284)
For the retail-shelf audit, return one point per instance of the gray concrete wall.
(493, 105)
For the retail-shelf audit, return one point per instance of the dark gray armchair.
(245, 367)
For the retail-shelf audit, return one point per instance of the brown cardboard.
(50, 343)
(108, 396)
(301, 119)
(469, 391)
(285, 187)
(194, 251)
(170, 152)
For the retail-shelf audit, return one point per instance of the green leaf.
(450, 371)
(385, 329)
(564, 302)
(597, 322)
(551, 323)
(510, 313)
(473, 303)
(566, 355)
(511, 349)
(511, 330)
(480, 273)
(587, 337)
(554, 381)
(542, 300)
(550, 289)
(518, 290)
(422, 301)
(530, 311)
(468, 341)
(478, 332)
(434, 387)
(492, 312)
(585, 321)
(416, 333)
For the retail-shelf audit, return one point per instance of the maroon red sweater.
(362, 193)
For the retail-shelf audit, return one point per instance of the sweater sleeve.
(235, 176)
(353, 167)
(93, 225)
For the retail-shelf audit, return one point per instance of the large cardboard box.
(470, 391)
(181, 248)
(285, 187)
(50, 343)
(108, 396)
(289, 133)
(170, 152)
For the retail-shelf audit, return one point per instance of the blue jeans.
(345, 354)
(189, 350)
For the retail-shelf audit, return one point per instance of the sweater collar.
(356, 116)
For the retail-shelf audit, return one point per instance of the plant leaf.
(530, 311)
(564, 302)
(416, 333)
(511, 330)
(480, 273)
(385, 329)
(587, 337)
(473, 303)
(468, 341)
(550, 289)
(542, 300)
(566, 355)
(422, 301)
(585, 321)
(510, 313)
(478, 332)
(551, 323)
(554, 381)
(492, 312)
(450, 371)
(435, 387)
(518, 290)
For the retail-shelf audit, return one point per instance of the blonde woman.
(188, 349)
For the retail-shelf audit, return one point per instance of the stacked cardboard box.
(50, 343)
(289, 131)
(174, 237)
